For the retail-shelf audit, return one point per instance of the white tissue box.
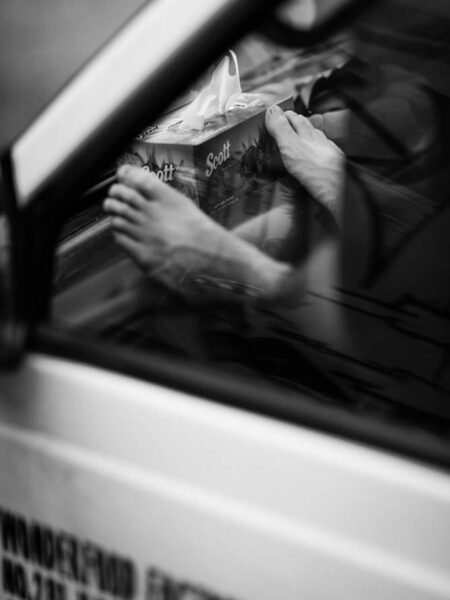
(216, 167)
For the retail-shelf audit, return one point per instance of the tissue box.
(217, 167)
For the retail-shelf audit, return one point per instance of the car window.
(42, 45)
(296, 236)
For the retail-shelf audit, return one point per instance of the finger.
(299, 123)
(304, 127)
(279, 127)
(141, 181)
(127, 194)
(118, 208)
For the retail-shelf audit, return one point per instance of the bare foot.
(309, 156)
(160, 228)
(172, 240)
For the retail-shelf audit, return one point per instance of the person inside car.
(171, 239)
(370, 150)
(383, 119)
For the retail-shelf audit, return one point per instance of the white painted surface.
(100, 88)
(250, 507)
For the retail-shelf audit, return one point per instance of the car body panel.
(240, 503)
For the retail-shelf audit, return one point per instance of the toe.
(116, 207)
(122, 225)
(140, 181)
(127, 195)
(131, 247)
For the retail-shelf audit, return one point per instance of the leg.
(172, 240)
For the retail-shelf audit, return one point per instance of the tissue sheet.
(216, 167)
(222, 94)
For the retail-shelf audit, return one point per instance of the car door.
(150, 449)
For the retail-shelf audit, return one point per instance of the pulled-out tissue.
(221, 95)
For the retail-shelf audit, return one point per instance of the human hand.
(309, 156)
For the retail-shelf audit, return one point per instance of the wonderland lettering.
(64, 555)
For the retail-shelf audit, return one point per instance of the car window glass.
(42, 45)
(307, 246)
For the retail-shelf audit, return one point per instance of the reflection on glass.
(311, 253)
